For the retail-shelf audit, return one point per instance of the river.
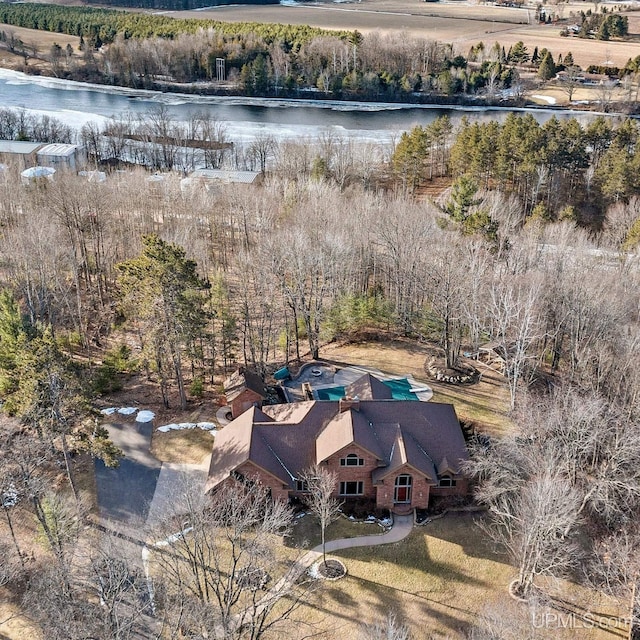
(76, 103)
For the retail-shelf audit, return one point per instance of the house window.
(302, 486)
(447, 481)
(402, 489)
(236, 475)
(352, 460)
(351, 488)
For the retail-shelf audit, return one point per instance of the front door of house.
(402, 489)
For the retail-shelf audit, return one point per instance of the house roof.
(287, 439)
(222, 175)
(240, 381)
(345, 428)
(368, 387)
(406, 450)
(233, 445)
(19, 147)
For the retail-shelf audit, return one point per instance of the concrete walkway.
(402, 526)
(174, 481)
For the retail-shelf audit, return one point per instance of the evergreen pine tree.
(547, 69)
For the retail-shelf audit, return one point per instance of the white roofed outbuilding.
(70, 156)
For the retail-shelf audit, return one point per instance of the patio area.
(325, 382)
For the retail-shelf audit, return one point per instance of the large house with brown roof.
(397, 452)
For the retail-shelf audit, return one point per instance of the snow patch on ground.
(143, 415)
(127, 411)
(547, 99)
(205, 426)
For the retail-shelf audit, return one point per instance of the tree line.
(179, 5)
(603, 26)
(558, 170)
(105, 24)
(158, 51)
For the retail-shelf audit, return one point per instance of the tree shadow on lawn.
(409, 556)
(384, 599)
(430, 575)
(463, 529)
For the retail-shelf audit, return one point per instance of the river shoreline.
(177, 97)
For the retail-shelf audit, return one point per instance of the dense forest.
(507, 180)
(178, 5)
(135, 276)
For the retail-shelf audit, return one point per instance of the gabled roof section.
(345, 428)
(445, 467)
(368, 387)
(233, 445)
(240, 381)
(418, 457)
(265, 456)
(434, 427)
(405, 450)
(293, 413)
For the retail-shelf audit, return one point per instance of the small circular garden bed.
(332, 569)
(461, 374)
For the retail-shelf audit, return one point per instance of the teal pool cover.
(399, 391)
(331, 393)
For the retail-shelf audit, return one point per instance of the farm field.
(41, 40)
(462, 24)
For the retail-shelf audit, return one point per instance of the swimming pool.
(330, 393)
(399, 391)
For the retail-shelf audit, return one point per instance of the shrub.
(196, 389)
(115, 362)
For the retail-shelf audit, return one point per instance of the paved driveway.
(125, 493)
(174, 483)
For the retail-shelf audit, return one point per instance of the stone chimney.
(349, 403)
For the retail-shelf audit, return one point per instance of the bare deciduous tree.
(533, 509)
(515, 326)
(321, 486)
(388, 629)
(220, 561)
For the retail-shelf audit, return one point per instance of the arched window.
(447, 481)
(402, 489)
(352, 460)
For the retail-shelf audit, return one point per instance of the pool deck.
(320, 375)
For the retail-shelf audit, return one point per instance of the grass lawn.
(306, 531)
(439, 580)
(189, 446)
(485, 403)
(13, 625)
